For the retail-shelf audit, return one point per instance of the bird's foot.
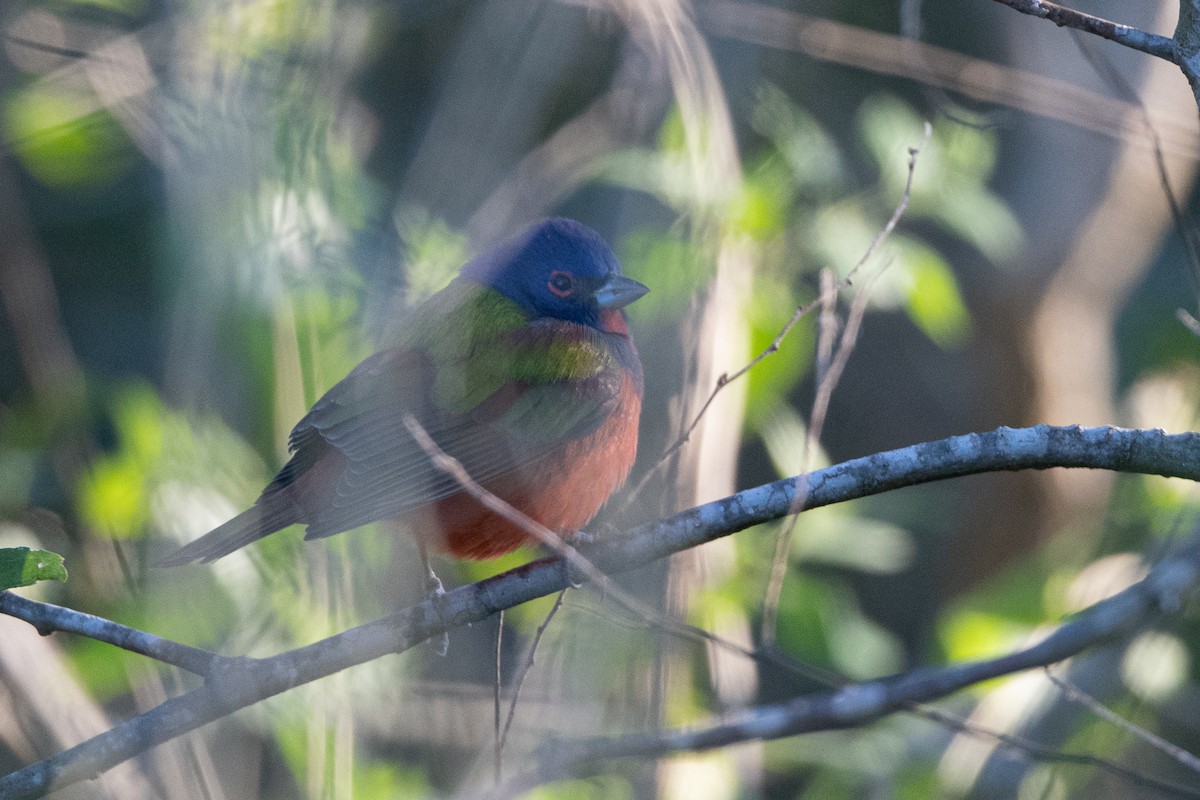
(433, 585)
(579, 539)
(436, 594)
(604, 530)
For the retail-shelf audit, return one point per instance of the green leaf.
(20, 566)
(935, 305)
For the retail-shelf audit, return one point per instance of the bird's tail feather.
(270, 514)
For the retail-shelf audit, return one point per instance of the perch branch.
(234, 683)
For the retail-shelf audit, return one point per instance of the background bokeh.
(209, 212)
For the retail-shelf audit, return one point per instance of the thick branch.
(1187, 43)
(236, 683)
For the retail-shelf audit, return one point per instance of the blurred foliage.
(165, 468)
(63, 140)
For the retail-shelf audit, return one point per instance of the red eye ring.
(561, 284)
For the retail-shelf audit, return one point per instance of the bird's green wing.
(494, 392)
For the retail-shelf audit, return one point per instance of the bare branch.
(519, 682)
(1077, 695)
(1135, 38)
(1164, 590)
(235, 683)
(888, 54)
(1039, 752)
(48, 619)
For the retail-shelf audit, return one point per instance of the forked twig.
(1077, 695)
(829, 373)
(800, 313)
(519, 681)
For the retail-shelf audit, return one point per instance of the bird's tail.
(269, 514)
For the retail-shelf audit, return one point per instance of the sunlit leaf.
(20, 566)
(64, 138)
(969, 635)
(113, 497)
(433, 252)
(674, 269)
(934, 303)
(811, 153)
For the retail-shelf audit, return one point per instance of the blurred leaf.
(1155, 665)
(606, 787)
(934, 303)
(777, 374)
(433, 252)
(969, 635)
(859, 647)
(802, 631)
(761, 208)
(158, 447)
(20, 566)
(673, 268)
(18, 466)
(63, 138)
(392, 780)
(113, 497)
(951, 176)
(837, 537)
(813, 156)
(785, 436)
(983, 220)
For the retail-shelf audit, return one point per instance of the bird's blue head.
(558, 268)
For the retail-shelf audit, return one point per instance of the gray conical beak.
(619, 291)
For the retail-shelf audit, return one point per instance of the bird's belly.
(562, 491)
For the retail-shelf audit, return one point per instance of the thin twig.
(570, 555)
(1164, 590)
(800, 313)
(528, 665)
(1077, 695)
(1135, 38)
(1036, 751)
(498, 737)
(828, 373)
(546, 537)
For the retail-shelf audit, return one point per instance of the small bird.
(522, 369)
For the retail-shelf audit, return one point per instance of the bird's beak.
(618, 292)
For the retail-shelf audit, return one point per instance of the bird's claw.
(436, 593)
(579, 539)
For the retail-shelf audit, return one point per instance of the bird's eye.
(561, 283)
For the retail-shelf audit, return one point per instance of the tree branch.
(1135, 38)
(48, 619)
(1164, 590)
(234, 683)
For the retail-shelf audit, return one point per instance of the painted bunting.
(522, 368)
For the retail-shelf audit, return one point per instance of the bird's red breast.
(563, 491)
